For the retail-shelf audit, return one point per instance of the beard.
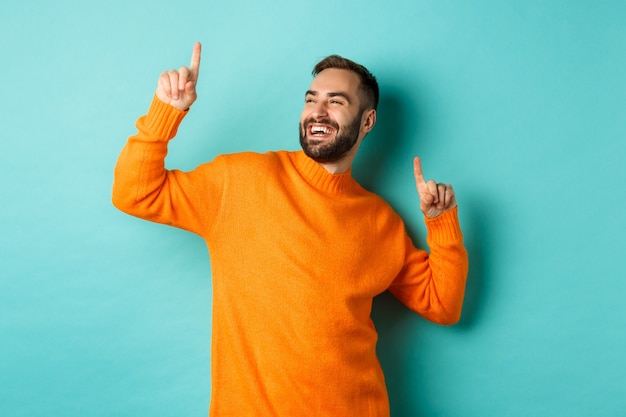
(334, 150)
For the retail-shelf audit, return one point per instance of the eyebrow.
(331, 94)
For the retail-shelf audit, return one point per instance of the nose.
(320, 109)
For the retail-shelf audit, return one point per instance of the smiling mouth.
(320, 131)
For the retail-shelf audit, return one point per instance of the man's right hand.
(178, 88)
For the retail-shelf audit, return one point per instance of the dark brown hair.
(369, 86)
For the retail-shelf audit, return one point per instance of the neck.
(335, 167)
(344, 164)
(341, 166)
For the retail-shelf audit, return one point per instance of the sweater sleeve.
(434, 285)
(142, 187)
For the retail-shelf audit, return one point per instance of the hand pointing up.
(178, 87)
(435, 198)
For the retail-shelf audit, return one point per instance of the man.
(298, 249)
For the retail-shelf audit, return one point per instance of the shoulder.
(244, 159)
(270, 157)
(248, 164)
(385, 217)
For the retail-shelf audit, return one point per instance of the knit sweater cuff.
(162, 120)
(445, 227)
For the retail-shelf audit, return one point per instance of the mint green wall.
(521, 105)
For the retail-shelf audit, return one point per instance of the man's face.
(330, 124)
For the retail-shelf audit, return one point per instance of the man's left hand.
(435, 198)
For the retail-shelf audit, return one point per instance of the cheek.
(301, 124)
(303, 116)
(347, 120)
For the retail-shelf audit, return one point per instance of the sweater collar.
(318, 177)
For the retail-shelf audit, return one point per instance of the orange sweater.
(297, 256)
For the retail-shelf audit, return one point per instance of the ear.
(368, 120)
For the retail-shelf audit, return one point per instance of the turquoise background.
(521, 105)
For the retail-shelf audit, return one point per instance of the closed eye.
(338, 98)
(309, 97)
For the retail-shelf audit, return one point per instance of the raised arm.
(142, 186)
(433, 284)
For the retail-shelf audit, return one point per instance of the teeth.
(320, 129)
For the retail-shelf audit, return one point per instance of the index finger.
(417, 170)
(194, 67)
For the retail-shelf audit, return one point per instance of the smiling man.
(337, 95)
(298, 249)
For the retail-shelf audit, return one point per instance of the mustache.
(324, 121)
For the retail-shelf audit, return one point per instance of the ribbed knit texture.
(297, 256)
